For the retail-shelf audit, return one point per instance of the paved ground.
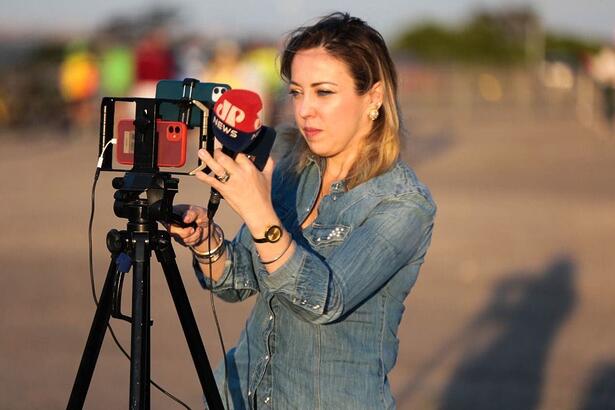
(513, 308)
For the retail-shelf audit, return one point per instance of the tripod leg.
(94, 342)
(140, 331)
(166, 257)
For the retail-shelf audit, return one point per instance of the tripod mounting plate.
(144, 198)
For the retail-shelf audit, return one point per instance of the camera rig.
(144, 196)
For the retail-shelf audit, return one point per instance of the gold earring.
(373, 114)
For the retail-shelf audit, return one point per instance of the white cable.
(102, 154)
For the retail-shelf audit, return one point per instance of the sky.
(273, 18)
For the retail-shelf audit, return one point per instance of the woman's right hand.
(190, 236)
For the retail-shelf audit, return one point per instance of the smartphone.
(175, 89)
(172, 138)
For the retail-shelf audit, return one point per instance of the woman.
(333, 238)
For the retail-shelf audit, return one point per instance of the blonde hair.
(365, 53)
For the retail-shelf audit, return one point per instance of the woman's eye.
(324, 92)
(293, 93)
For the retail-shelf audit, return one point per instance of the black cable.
(92, 208)
(210, 223)
(115, 339)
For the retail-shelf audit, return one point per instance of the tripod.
(133, 248)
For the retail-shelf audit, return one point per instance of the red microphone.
(236, 122)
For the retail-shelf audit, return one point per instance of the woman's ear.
(376, 94)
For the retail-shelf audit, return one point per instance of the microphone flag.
(236, 121)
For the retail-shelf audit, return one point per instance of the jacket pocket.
(325, 235)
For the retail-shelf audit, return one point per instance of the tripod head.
(142, 212)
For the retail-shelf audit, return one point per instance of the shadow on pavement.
(600, 394)
(505, 349)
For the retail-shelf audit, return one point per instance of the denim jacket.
(323, 331)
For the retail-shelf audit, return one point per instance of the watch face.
(274, 233)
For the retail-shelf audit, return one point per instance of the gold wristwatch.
(273, 233)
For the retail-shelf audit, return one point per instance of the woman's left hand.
(247, 190)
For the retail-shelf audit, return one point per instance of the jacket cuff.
(303, 282)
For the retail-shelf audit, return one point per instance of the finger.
(226, 162)
(195, 238)
(201, 215)
(244, 162)
(181, 232)
(173, 229)
(182, 235)
(179, 210)
(189, 216)
(242, 159)
(211, 181)
(211, 162)
(269, 167)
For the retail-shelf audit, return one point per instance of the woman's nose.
(306, 107)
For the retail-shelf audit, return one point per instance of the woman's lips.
(310, 132)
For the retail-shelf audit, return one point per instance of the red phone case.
(172, 136)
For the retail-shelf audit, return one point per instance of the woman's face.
(330, 114)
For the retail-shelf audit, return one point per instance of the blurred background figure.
(117, 67)
(228, 66)
(603, 71)
(225, 66)
(191, 57)
(261, 57)
(78, 82)
(4, 110)
(154, 61)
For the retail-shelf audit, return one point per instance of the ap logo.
(230, 114)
